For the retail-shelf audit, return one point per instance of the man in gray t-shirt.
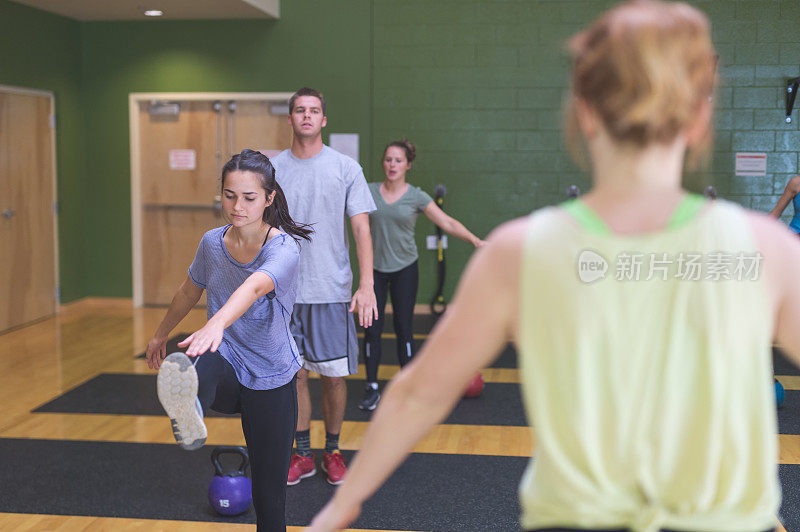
(322, 190)
(322, 187)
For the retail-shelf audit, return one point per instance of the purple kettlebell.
(230, 494)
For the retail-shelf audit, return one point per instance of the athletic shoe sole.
(177, 391)
(301, 477)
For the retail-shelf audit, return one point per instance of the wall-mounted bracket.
(792, 85)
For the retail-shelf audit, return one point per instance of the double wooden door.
(27, 208)
(181, 152)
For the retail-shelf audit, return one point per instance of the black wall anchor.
(791, 92)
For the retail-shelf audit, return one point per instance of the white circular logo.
(591, 266)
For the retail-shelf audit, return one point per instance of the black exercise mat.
(421, 324)
(789, 513)
(781, 365)
(789, 414)
(172, 344)
(112, 393)
(134, 394)
(159, 481)
(506, 359)
(499, 404)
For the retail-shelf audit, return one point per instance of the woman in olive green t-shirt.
(395, 256)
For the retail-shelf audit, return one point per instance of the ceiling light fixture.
(153, 13)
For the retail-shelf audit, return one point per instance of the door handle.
(8, 214)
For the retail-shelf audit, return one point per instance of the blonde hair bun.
(645, 67)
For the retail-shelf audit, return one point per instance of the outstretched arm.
(450, 225)
(787, 333)
(781, 261)
(481, 319)
(187, 297)
(209, 337)
(791, 190)
(364, 301)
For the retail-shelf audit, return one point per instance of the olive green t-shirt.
(392, 228)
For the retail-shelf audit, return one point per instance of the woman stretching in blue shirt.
(249, 270)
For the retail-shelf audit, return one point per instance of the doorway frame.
(50, 95)
(134, 100)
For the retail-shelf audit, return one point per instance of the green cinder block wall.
(42, 51)
(477, 85)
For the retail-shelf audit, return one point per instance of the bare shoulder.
(770, 232)
(506, 241)
(510, 237)
(779, 246)
(502, 255)
(510, 233)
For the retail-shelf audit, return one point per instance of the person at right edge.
(644, 315)
(791, 194)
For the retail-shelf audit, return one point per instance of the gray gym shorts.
(325, 334)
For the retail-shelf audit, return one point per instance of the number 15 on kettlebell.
(232, 493)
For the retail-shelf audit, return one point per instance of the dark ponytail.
(277, 213)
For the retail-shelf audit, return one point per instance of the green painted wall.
(42, 51)
(477, 85)
(316, 42)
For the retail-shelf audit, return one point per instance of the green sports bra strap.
(686, 210)
(586, 217)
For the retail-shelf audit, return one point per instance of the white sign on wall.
(432, 242)
(751, 164)
(182, 160)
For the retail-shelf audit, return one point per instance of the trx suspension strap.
(438, 305)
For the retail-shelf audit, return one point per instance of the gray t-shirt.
(258, 345)
(392, 227)
(322, 190)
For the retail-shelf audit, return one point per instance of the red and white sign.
(182, 160)
(750, 164)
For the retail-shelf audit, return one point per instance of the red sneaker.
(299, 468)
(333, 465)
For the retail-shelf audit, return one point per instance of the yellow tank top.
(647, 374)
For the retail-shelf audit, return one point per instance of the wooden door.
(178, 203)
(255, 126)
(27, 212)
(177, 194)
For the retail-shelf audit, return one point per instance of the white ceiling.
(99, 10)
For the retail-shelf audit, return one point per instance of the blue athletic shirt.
(259, 344)
(795, 223)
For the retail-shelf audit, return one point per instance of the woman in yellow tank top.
(643, 315)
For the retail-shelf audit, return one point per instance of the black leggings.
(269, 420)
(402, 285)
